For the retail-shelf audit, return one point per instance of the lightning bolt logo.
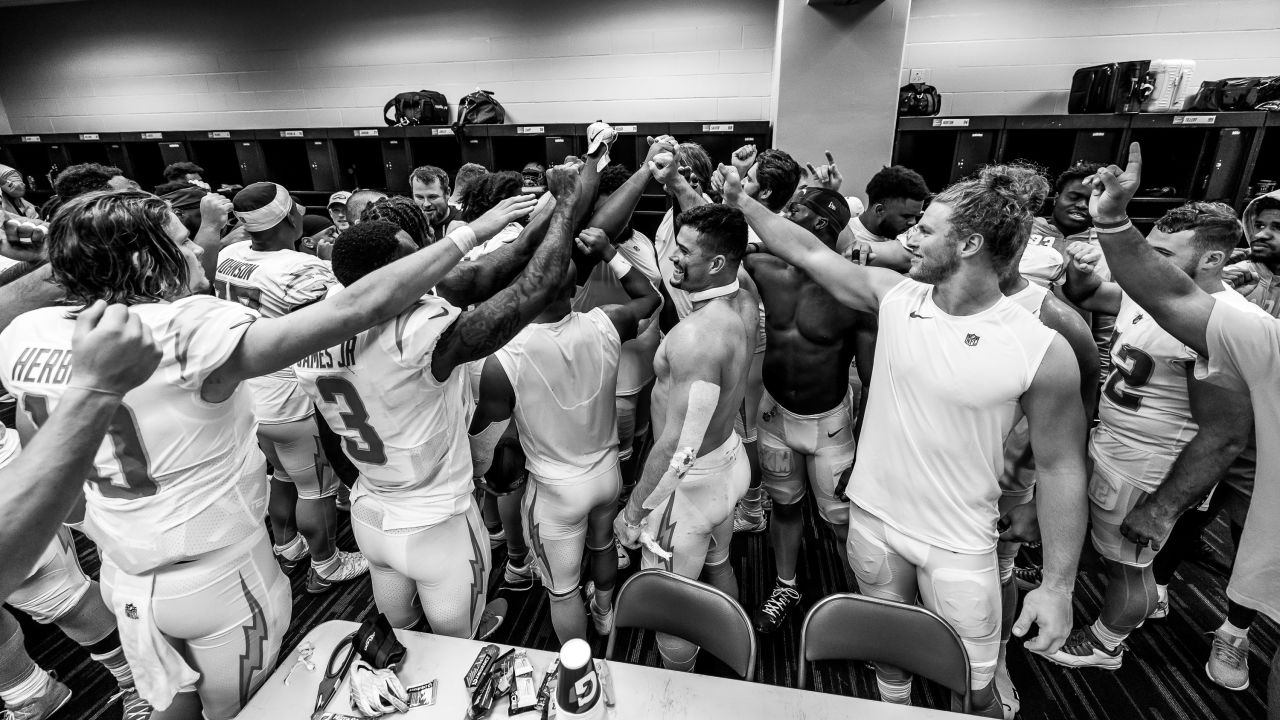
(535, 535)
(666, 529)
(255, 642)
(477, 571)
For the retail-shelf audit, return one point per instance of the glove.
(376, 692)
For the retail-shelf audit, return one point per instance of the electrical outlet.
(920, 75)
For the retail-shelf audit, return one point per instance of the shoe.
(624, 556)
(343, 501)
(603, 620)
(50, 700)
(1162, 603)
(133, 707)
(1027, 578)
(1009, 700)
(292, 555)
(1082, 650)
(494, 613)
(1228, 663)
(774, 611)
(350, 566)
(518, 577)
(748, 521)
(497, 539)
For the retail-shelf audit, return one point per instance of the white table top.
(642, 692)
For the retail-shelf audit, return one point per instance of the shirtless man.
(805, 423)
(955, 359)
(697, 469)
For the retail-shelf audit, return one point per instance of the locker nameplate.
(152, 136)
(531, 129)
(366, 133)
(437, 132)
(718, 127)
(1195, 119)
(290, 133)
(30, 138)
(951, 122)
(89, 136)
(219, 135)
(626, 128)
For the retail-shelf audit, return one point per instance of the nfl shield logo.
(971, 339)
(130, 611)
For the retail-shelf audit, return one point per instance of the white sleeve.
(202, 336)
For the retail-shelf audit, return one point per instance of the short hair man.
(77, 180)
(184, 171)
(466, 175)
(430, 187)
(1044, 262)
(1156, 420)
(924, 505)
(358, 201)
(682, 508)
(895, 198)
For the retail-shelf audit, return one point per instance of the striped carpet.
(1163, 674)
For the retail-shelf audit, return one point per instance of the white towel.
(159, 671)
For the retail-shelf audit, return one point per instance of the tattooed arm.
(474, 281)
(480, 332)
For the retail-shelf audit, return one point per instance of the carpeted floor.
(1163, 674)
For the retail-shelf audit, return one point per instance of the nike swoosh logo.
(833, 433)
(919, 317)
(442, 312)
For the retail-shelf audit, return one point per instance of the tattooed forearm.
(474, 281)
(480, 332)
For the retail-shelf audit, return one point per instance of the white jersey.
(564, 375)
(176, 476)
(1145, 411)
(944, 396)
(403, 429)
(505, 236)
(1030, 298)
(603, 287)
(275, 283)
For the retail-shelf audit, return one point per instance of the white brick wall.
(150, 65)
(1017, 56)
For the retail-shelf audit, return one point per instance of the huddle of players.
(379, 341)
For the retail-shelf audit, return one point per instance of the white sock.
(30, 687)
(1109, 639)
(789, 583)
(1229, 629)
(324, 566)
(898, 693)
(291, 549)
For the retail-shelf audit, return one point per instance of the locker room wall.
(1016, 57)
(150, 65)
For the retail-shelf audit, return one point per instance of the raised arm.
(114, 353)
(645, 299)
(1171, 297)
(666, 170)
(854, 286)
(24, 241)
(612, 217)
(1225, 418)
(480, 332)
(214, 214)
(271, 344)
(1057, 422)
(474, 281)
(1084, 287)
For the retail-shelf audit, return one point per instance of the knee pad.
(777, 474)
(677, 654)
(869, 557)
(972, 609)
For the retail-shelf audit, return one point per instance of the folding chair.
(665, 602)
(848, 626)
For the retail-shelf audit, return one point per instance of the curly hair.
(1215, 224)
(489, 190)
(1079, 171)
(614, 176)
(113, 246)
(403, 213)
(84, 178)
(363, 248)
(180, 170)
(999, 204)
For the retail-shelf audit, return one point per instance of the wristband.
(619, 266)
(1128, 225)
(464, 237)
(1103, 225)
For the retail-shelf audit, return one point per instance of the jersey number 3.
(126, 443)
(369, 447)
(1133, 369)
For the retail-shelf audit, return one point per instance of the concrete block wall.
(131, 65)
(1016, 57)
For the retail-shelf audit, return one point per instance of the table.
(643, 693)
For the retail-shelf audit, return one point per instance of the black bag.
(479, 108)
(1232, 94)
(425, 107)
(1110, 88)
(918, 100)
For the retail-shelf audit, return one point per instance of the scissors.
(333, 678)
